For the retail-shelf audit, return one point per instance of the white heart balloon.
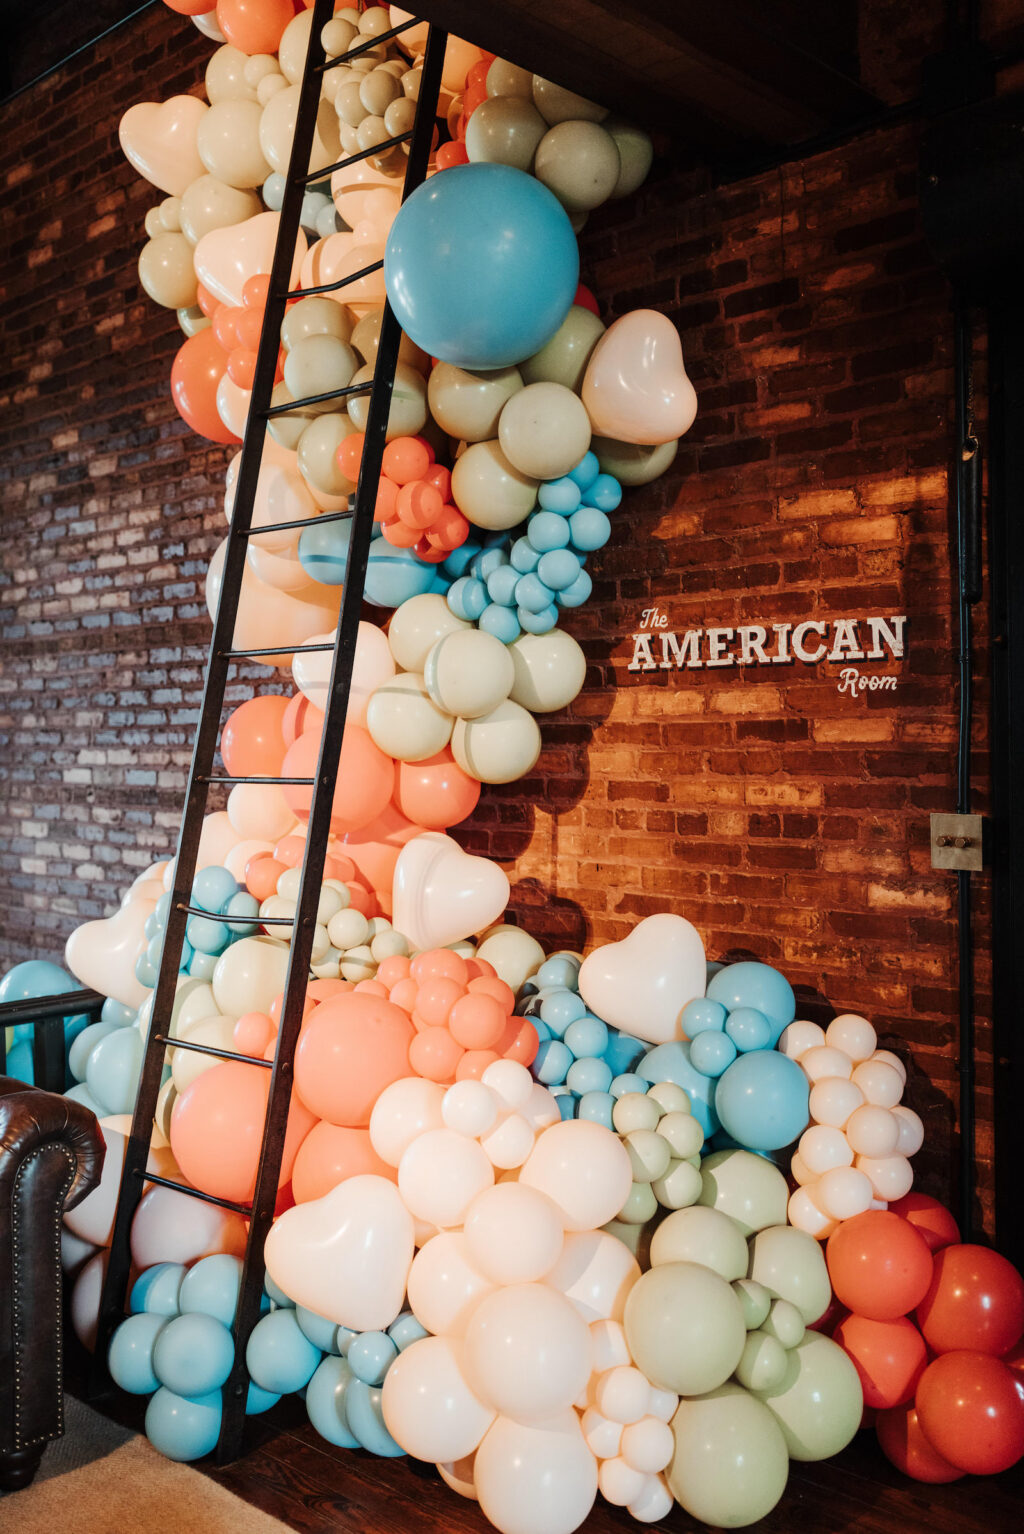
(347, 1255)
(635, 387)
(159, 138)
(643, 983)
(442, 894)
(102, 954)
(226, 258)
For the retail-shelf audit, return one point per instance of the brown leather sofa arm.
(51, 1156)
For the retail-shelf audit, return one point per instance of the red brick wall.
(787, 821)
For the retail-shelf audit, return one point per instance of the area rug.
(104, 1479)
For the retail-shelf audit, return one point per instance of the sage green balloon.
(749, 1189)
(819, 1402)
(563, 359)
(631, 464)
(705, 1236)
(730, 1463)
(685, 1327)
(791, 1265)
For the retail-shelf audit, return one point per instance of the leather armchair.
(51, 1156)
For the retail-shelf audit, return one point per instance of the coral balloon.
(971, 1412)
(904, 1444)
(252, 743)
(975, 1301)
(328, 1155)
(197, 370)
(217, 1130)
(889, 1356)
(435, 793)
(254, 26)
(880, 1266)
(353, 1047)
(366, 778)
(931, 1218)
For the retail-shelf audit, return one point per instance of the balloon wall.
(563, 1225)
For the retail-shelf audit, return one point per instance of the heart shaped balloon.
(347, 1255)
(643, 983)
(102, 954)
(226, 258)
(635, 387)
(342, 254)
(159, 138)
(442, 894)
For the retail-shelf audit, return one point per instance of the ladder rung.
(208, 1049)
(371, 42)
(274, 649)
(216, 777)
(197, 910)
(332, 287)
(295, 405)
(353, 159)
(207, 1198)
(284, 527)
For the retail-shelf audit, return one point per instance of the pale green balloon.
(747, 1187)
(730, 1463)
(785, 1323)
(792, 1266)
(819, 1402)
(764, 1362)
(701, 1235)
(755, 1300)
(685, 1327)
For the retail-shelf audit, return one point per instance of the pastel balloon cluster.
(856, 1154)
(664, 1142)
(230, 912)
(585, 1063)
(23, 982)
(933, 1327)
(413, 498)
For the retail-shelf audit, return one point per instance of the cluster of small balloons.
(24, 982)
(664, 1142)
(230, 914)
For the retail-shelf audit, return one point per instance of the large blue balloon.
(762, 1100)
(750, 984)
(481, 265)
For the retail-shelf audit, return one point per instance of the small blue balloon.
(762, 1100)
(276, 1294)
(489, 560)
(130, 1359)
(700, 1014)
(576, 594)
(193, 1355)
(156, 1289)
(671, 1062)
(605, 493)
(560, 495)
(371, 1355)
(211, 1287)
(344, 1339)
(207, 936)
(366, 1418)
(467, 598)
(711, 1052)
(405, 1330)
(257, 1400)
(202, 965)
(19, 1062)
(586, 471)
(562, 1008)
(540, 1027)
(180, 1428)
(596, 1108)
(322, 1333)
(523, 556)
(532, 595)
(588, 1075)
(558, 569)
(538, 623)
(117, 1014)
(750, 984)
(627, 1082)
(559, 969)
(623, 1051)
(154, 950)
(501, 584)
(551, 1062)
(547, 531)
(152, 927)
(279, 1356)
(325, 1402)
(501, 623)
(112, 1071)
(323, 551)
(212, 888)
(566, 1104)
(589, 529)
(245, 907)
(588, 1035)
(481, 265)
(145, 971)
(749, 1029)
(460, 559)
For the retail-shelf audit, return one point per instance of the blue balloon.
(532, 595)
(116, 1014)
(560, 969)
(323, 1334)
(576, 594)
(130, 1359)
(562, 1008)
(566, 1103)
(145, 970)
(523, 556)
(325, 1402)
(277, 1295)
(700, 1014)
(711, 1052)
(589, 529)
(749, 1029)
(561, 495)
(597, 1107)
(605, 493)
(750, 984)
(405, 1330)
(202, 965)
(489, 560)
(35, 977)
(193, 1354)
(551, 1062)
(588, 1075)
(112, 1072)
(460, 559)
(501, 584)
(628, 1082)
(481, 265)
(181, 1428)
(212, 888)
(538, 623)
(257, 1400)
(500, 622)
(558, 569)
(371, 1355)
(547, 531)
(245, 906)
(586, 471)
(623, 1051)
(279, 1356)
(365, 1417)
(207, 936)
(762, 1100)
(671, 1062)
(588, 1035)
(467, 598)
(211, 1287)
(394, 575)
(19, 1062)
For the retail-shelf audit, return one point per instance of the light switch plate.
(957, 842)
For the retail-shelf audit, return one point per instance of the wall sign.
(832, 641)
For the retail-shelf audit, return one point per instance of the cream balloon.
(405, 722)
(527, 1352)
(701, 1235)
(636, 155)
(228, 141)
(469, 673)
(320, 364)
(429, 1409)
(556, 104)
(685, 1327)
(281, 496)
(635, 387)
(513, 1233)
(209, 204)
(267, 616)
(160, 141)
(366, 340)
(417, 625)
(497, 747)
(544, 430)
(342, 255)
(632, 464)
(227, 256)
(239, 856)
(403, 1111)
(748, 1188)
(315, 316)
(372, 668)
(408, 411)
(187, 1064)
(216, 840)
(579, 163)
(250, 975)
(442, 894)
(233, 405)
(596, 1273)
(819, 1403)
(536, 1478)
(102, 954)
(439, 1176)
(277, 130)
(505, 130)
(363, 194)
(347, 1255)
(467, 404)
(505, 79)
(642, 983)
(489, 490)
(563, 360)
(444, 1286)
(549, 671)
(166, 271)
(584, 1169)
(175, 1227)
(93, 1219)
(316, 457)
(259, 810)
(226, 76)
(790, 1265)
(514, 954)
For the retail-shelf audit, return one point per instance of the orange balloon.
(477, 1022)
(374, 849)
(254, 26)
(931, 1218)
(434, 1054)
(253, 1032)
(523, 1047)
(251, 742)
(366, 779)
(450, 530)
(490, 985)
(474, 1062)
(350, 1050)
(400, 535)
(329, 1154)
(880, 1266)
(407, 459)
(435, 999)
(451, 154)
(403, 993)
(217, 1130)
(905, 1446)
(393, 969)
(349, 455)
(889, 1356)
(435, 793)
(242, 367)
(439, 964)
(255, 292)
(419, 505)
(386, 506)
(300, 716)
(323, 990)
(261, 875)
(197, 370)
(975, 1302)
(972, 1412)
(224, 327)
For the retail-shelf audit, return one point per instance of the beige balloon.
(286, 430)
(636, 153)
(320, 364)
(544, 430)
(316, 316)
(291, 50)
(564, 358)
(166, 271)
(408, 412)
(579, 162)
(630, 462)
(685, 1327)
(170, 214)
(269, 86)
(704, 1236)
(159, 138)
(556, 104)
(211, 204)
(469, 673)
(259, 67)
(153, 223)
(749, 1189)
(226, 78)
(489, 490)
(228, 141)
(277, 129)
(467, 404)
(505, 130)
(366, 339)
(192, 320)
(417, 626)
(317, 450)
(549, 671)
(404, 721)
(790, 1264)
(505, 79)
(499, 747)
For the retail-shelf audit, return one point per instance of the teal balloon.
(180, 1428)
(279, 1356)
(762, 1099)
(130, 1359)
(257, 1400)
(323, 1334)
(19, 1062)
(156, 1290)
(277, 1295)
(394, 575)
(212, 888)
(712, 1052)
(193, 1354)
(365, 1418)
(481, 265)
(210, 1288)
(112, 1072)
(323, 551)
(80, 1094)
(405, 1330)
(36, 977)
(750, 984)
(671, 1062)
(117, 1014)
(749, 1029)
(701, 1014)
(82, 1048)
(370, 1356)
(325, 1402)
